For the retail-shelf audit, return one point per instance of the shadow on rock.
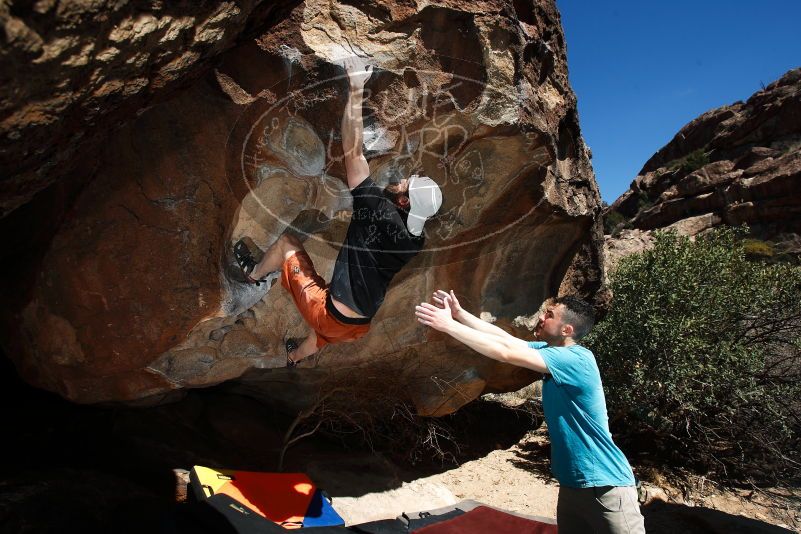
(113, 469)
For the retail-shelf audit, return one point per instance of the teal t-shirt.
(582, 451)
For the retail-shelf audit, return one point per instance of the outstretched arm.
(508, 350)
(465, 317)
(356, 166)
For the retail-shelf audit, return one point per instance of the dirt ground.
(100, 469)
(517, 479)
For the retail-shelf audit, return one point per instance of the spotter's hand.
(435, 317)
(439, 297)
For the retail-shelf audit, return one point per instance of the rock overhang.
(140, 298)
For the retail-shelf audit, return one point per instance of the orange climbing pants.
(310, 293)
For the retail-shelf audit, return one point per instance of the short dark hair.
(578, 313)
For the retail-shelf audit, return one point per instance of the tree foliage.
(701, 355)
(691, 162)
(614, 221)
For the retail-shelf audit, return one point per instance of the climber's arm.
(356, 167)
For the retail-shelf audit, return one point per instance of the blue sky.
(642, 70)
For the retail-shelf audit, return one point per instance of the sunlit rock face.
(737, 164)
(137, 297)
(71, 70)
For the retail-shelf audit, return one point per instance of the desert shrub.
(643, 201)
(700, 354)
(366, 408)
(612, 221)
(691, 162)
(757, 248)
(695, 160)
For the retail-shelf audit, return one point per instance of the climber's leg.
(306, 348)
(310, 293)
(276, 254)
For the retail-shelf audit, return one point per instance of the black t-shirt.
(376, 247)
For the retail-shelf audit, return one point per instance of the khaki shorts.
(603, 509)
(309, 291)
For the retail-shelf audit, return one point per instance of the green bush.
(695, 160)
(691, 162)
(700, 355)
(643, 201)
(756, 248)
(613, 220)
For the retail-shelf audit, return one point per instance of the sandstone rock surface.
(70, 71)
(125, 289)
(732, 165)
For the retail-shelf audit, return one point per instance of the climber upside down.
(385, 233)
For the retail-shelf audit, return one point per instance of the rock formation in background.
(150, 139)
(734, 165)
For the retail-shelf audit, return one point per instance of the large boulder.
(69, 71)
(124, 288)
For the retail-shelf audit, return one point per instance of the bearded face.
(398, 194)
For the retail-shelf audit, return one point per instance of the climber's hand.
(358, 71)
